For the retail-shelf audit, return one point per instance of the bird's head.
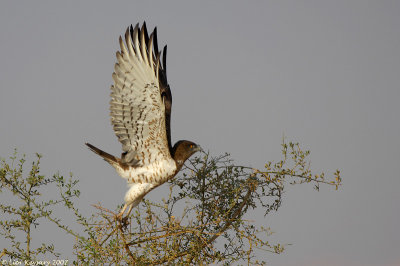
(182, 150)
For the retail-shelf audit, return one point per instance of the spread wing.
(139, 99)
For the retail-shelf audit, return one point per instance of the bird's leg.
(124, 220)
(121, 213)
(130, 209)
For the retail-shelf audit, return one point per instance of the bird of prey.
(140, 110)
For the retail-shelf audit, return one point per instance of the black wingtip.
(146, 35)
(131, 31)
(155, 43)
(165, 60)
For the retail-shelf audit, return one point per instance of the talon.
(124, 222)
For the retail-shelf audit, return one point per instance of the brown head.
(182, 150)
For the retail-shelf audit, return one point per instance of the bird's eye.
(191, 146)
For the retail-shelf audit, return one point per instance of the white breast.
(155, 173)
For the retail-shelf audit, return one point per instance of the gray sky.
(242, 74)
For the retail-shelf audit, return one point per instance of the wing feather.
(135, 35)
(143, 43)
(136, 108)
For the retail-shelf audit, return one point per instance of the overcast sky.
(242, 74)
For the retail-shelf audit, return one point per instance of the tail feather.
(106, 156)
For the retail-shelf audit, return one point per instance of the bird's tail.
(106, 156)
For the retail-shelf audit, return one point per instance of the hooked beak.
(198, 148)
